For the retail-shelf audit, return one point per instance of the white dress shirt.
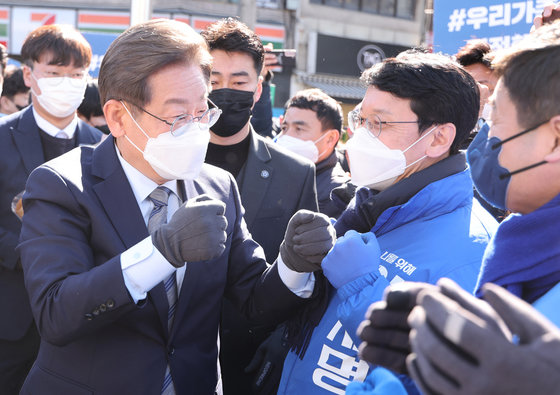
(144, 266)
(52, 130)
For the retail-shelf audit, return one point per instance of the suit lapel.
(117, 198)
(256, 178)
(27, 140)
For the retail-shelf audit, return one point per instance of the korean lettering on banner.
(501, 42)
(484, 19)
(495, 15)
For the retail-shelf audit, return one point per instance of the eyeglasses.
(373, 126)
(206, 120)
(54, 78)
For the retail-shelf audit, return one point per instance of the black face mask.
(236, 110)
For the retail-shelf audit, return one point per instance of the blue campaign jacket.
(548, 305)
(440, 232)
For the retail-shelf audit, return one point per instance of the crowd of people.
(155, 238)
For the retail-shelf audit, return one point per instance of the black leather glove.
(309, 237)
(268, 363)
(196, 232)
(385, 330)
(457, 351)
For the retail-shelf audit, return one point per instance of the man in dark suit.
(56, 59)
(311, 127)
(129, 248)
(273, 182)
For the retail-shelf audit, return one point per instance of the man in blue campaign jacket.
(414, 210)
(515, 166)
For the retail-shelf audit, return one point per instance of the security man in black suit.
(273, 182)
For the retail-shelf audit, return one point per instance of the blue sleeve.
(465, 275)
(548, 305)
(355, 298)
(379, 381)
(409, 385)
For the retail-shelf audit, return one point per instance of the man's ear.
(554, 156)
(332, 138)
(444, 135)
(26, 75)
(258, 91)
(4, 101)
(115, 114)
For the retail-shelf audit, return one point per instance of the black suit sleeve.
(62, 280)
(254, 288)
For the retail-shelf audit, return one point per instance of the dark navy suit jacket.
(274, 185)
(80, 215)
(21, 151)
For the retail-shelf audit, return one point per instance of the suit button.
(95, 312)
(89, 316)
(171, 351)
(102, 307)
(110, 303)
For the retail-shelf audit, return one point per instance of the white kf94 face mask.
(305, 148)
(60, 96)
(373, 164)
(177, 157)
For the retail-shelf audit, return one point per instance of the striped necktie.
(159, 197)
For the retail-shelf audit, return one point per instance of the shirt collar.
(52, 130)
(141, 185)
(328, 163)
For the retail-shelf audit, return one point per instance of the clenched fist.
(309, 237)
(196, 232)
